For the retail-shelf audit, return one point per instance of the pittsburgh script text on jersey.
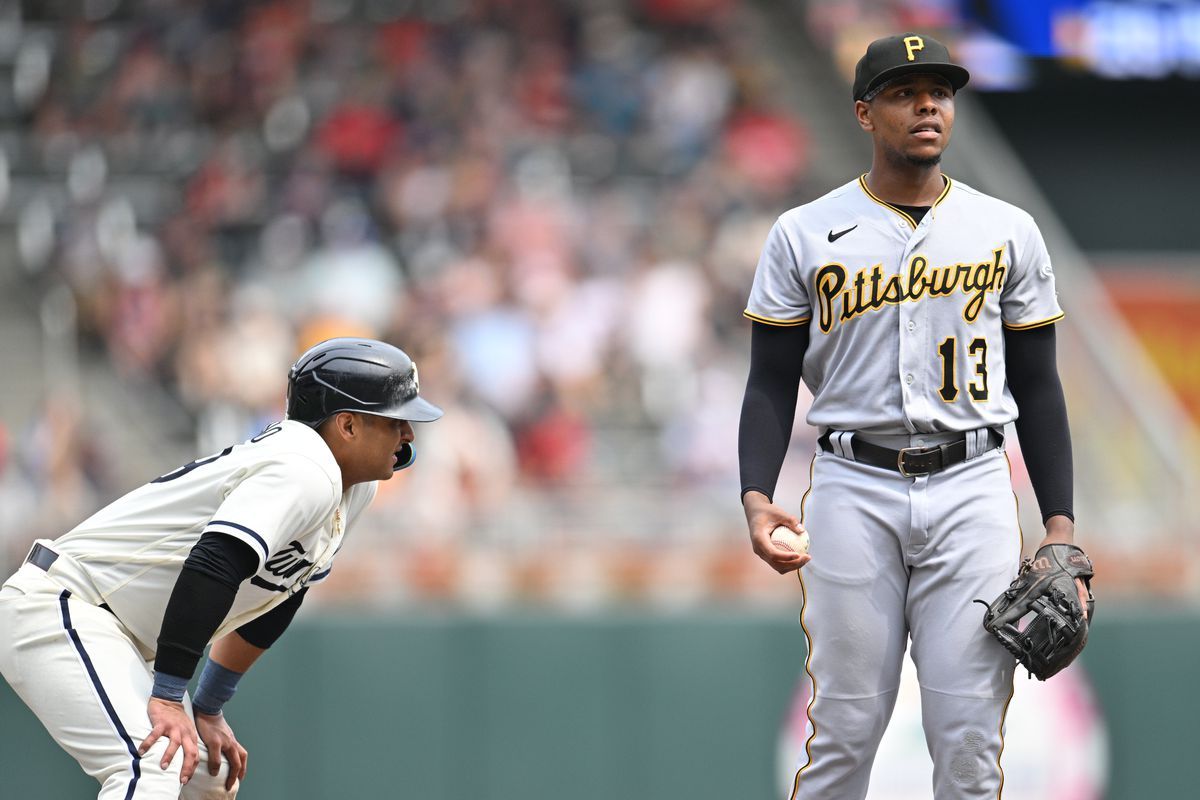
(870, 291)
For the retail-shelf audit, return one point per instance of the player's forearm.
(762, 445)
(1046, 447)
(234, 653)
(228, 660)
(199, 603)
(1042, 423)
(769, 406)
(1059, 530)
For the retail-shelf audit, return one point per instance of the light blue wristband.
(168, 687)
(216, 685)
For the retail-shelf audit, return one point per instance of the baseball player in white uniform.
(920, 313)
(102, 628)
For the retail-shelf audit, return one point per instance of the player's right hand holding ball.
(784, 550)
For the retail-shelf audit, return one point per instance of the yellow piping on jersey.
(782, 323)
(862, 181)
(1025, 326)
(808, 640)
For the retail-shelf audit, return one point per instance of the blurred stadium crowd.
(555, 207)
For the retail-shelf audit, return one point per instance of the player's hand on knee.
(219, 739)
(170, 720)
(763, 517)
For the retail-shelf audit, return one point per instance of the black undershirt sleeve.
(769, 406)
(1032, 373)
(223, 558)
(201, 599)
(263, 631)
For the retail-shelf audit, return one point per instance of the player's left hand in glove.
(1045, 587)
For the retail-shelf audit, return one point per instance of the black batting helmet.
(361, 375)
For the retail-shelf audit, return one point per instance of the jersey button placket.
(917, 408)
(912, 344)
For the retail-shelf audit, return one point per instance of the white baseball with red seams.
(788, 539)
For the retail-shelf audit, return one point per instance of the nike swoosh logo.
(833, 237)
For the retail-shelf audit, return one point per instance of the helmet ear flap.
(306, 401)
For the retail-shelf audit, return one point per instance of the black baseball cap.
(906, 53)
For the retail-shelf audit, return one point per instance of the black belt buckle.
(41, 557)
(925, 469)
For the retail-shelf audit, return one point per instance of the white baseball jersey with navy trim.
(906, 319)
(279, 492)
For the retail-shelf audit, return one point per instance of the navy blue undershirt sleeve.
(769, 405)
(1032, 373)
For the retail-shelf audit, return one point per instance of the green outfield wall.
(586, 708)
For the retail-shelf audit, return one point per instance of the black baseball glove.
(1045, 587)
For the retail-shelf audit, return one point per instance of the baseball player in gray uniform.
(920, 313)
(102, 628)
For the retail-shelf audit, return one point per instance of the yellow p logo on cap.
(912, 44)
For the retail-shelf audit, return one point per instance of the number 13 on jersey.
(976, 358)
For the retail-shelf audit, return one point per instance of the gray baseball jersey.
(907, 319)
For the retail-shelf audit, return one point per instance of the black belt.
(43, 558)
(913, 461)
